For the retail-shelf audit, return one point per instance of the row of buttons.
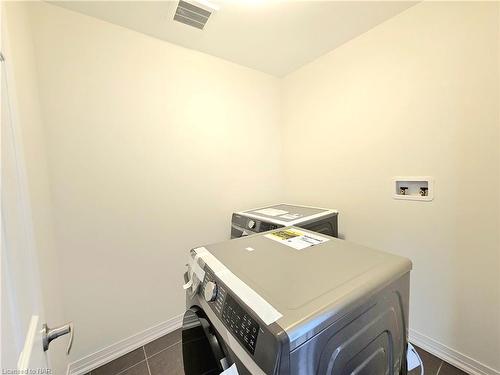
(242, 325)
(219, 302)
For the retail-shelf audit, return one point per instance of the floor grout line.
(147, 363)
(128, 368)
(439, 368)
(143, 360)
(168, 347)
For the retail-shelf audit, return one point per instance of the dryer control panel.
(241, 324)
(236, 319)
(244, 225)
(218, 304)
(267, 344)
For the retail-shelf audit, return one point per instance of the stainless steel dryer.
(321, 220)
(291, 301)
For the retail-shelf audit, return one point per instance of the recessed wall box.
(413, 188)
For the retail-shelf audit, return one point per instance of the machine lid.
(286, 214)
(315, 281)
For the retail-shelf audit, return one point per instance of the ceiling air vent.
(191, 15)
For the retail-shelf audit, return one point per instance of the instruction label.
(290, 216)
(296, 239)
(271, 212)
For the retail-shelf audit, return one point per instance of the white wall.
(146, 140)
(416, 95)
(151, 147)
(24, 93)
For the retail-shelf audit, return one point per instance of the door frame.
(22, 337)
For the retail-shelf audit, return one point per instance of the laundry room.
(250, 187)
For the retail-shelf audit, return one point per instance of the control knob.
(251, 224)
(210, 292)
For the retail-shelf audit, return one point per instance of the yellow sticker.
(285, 234)
(297, 239)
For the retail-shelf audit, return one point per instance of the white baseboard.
(103, 356)
(457, 359)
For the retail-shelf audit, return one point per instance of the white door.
(22, 316)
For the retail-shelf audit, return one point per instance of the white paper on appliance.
(196, 274)
(412, 359)
(296, 239)
(231, 370)
(224, 363)
(250, 297)
(271, 212)
(290, 216)
(198, 271)
(208, 258)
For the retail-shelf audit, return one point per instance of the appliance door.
(202, 349)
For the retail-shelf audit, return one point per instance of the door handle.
(49, 334)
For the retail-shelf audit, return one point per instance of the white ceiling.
(272, 36)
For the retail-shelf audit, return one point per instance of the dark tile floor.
(160, 357)
(164, 357)
(434, 366)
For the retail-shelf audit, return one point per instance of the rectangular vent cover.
(191, 15)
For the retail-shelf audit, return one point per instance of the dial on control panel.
(251, 224)
(210, 292)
